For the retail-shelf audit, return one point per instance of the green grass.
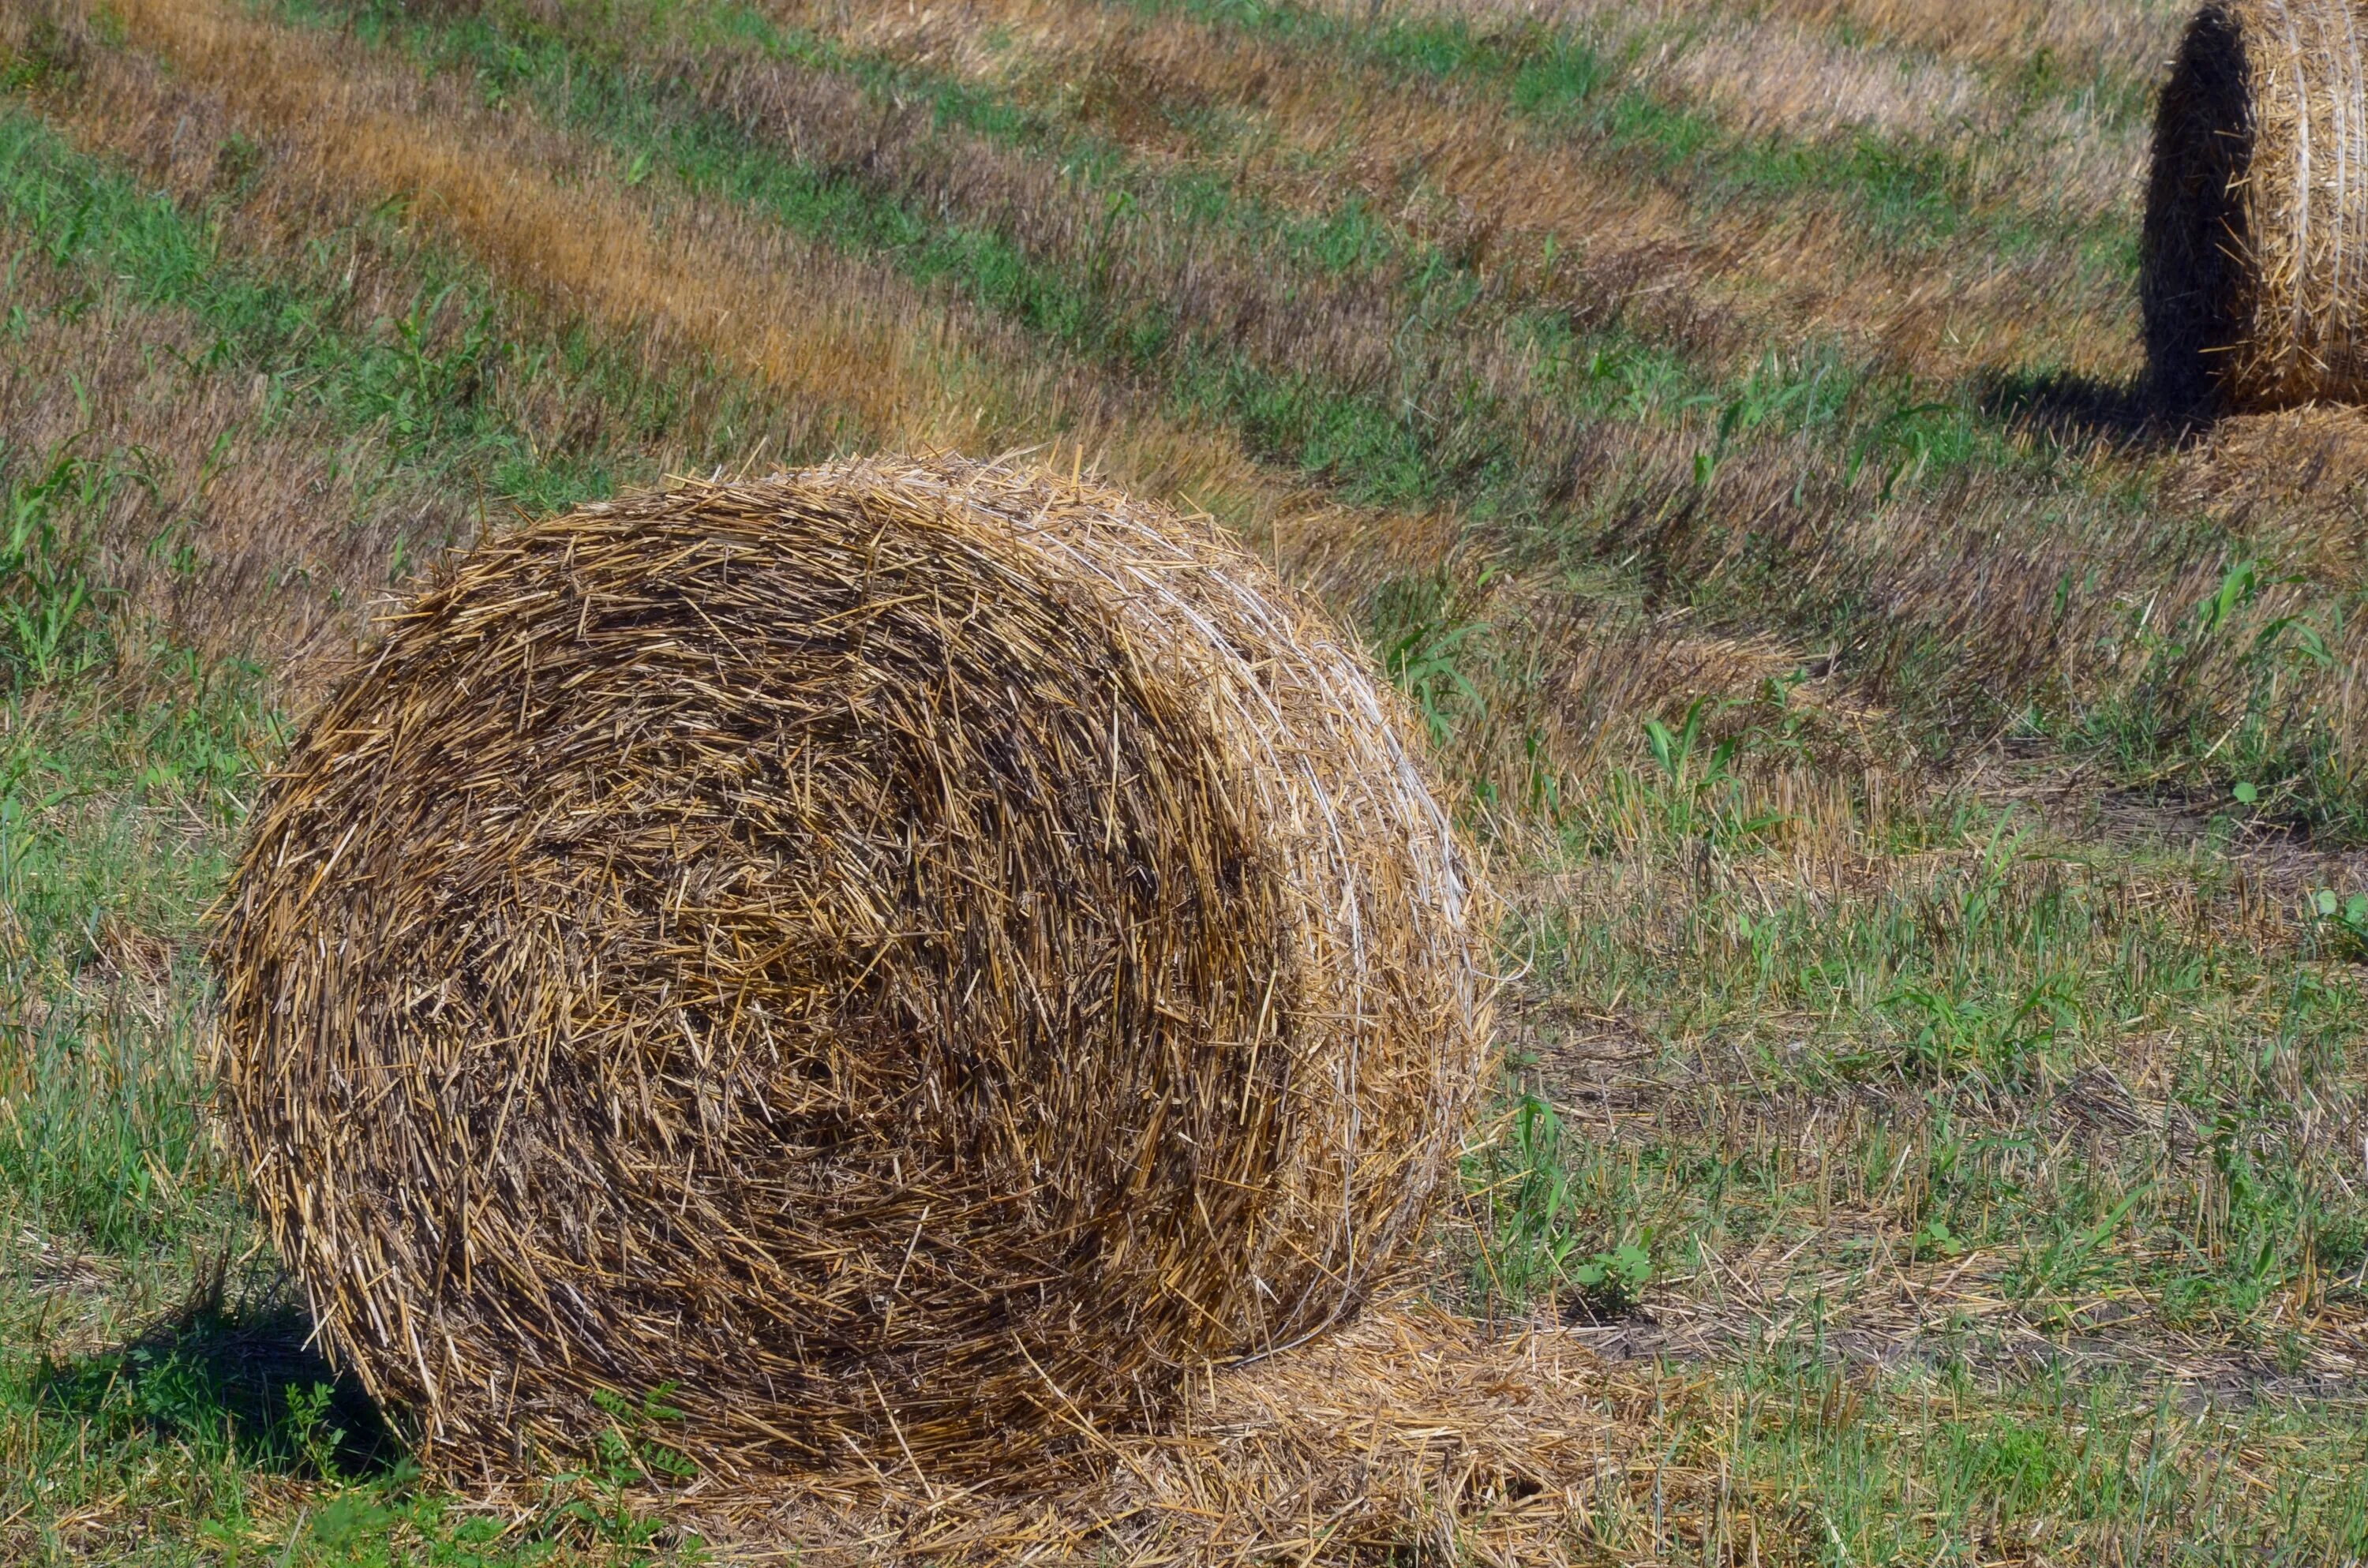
(1966, 997)
(1949, 1467)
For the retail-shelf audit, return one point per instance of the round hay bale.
(2256, 240)
(898, 960)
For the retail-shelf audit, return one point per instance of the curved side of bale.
(2256, 236)
(907, 958)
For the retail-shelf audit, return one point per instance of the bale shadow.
(2141, 416)
(235, 1373)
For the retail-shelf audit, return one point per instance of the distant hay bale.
(2256, 239)
(906, 958)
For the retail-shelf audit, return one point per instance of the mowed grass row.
(1496, 141)
(1375, 466)
(1807, 491)
(2068, 1086)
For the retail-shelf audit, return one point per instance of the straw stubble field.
(1927, 788)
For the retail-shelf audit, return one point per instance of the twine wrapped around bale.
(2256, 240)
(899, 960)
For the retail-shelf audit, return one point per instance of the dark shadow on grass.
(2136, 416)
(233, 1369)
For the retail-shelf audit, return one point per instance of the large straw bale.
(907, 958)
(2256, 242)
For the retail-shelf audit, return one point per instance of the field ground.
(1931, 788)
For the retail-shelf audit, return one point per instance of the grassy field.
(1931, 788)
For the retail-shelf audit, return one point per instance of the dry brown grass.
(1460, 168)
(1437, 166)
(1807, 67)
(2107, 37)
(2298, 478)
(1345, 328)
(2130, 36)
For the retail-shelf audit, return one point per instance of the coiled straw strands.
(2256, 267)
(908, 959)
